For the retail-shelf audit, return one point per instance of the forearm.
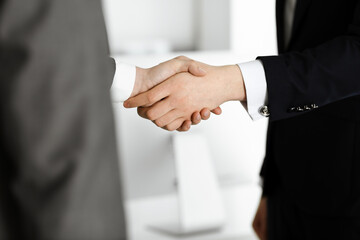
(232, 83)
(300, 81)
(315, 77)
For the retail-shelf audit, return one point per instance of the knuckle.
(181, 57)
(172, 103)
(195, 121)
(150, 115)
(159, 123)
(140, 112)
(171, 129)
(179, 101)
(167, 128)
(151, 96)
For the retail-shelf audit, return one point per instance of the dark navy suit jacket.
(313, 143)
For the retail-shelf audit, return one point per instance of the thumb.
(196, 70)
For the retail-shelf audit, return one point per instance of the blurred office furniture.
(236, 146)
(188, 25)
(236, 143)
(240, 204)
(200, 204)
(145, 33)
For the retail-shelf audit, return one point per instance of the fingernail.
(126, 104)
(201, 70)
(206, 114)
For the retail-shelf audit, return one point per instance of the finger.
(174, 124)
(177, 65)
(168, 118)
(185, 126)
(142, 111)
(156, 111)
(196, 70)
(150, 97)
(205, 114)
(195, 118)
(217, 111)
(185, 64)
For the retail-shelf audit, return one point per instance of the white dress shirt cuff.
(123, 83)
(256, 88)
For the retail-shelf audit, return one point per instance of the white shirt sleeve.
(123, 83)
(256, 88)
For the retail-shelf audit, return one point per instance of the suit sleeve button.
(299, 109)
(314, 106)
(306, 107)
(292, 109)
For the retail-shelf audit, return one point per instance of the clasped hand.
(186, 97)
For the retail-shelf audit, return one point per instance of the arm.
(129, 81)
(319, 76)
(184, 94)
(301, 81)
(58, 155)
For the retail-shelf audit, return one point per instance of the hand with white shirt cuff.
(173, 101)
(130, 81)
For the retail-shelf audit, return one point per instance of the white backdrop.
(246, 28)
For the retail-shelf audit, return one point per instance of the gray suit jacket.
(59, 175)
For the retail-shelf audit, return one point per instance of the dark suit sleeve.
(319, 76)
(59, 173)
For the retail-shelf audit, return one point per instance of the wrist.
(234, 83)
(139, 81)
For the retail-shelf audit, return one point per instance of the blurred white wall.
(158, 26)
(143, 21)
(253, 27)
(140, 33)
(213, 24)
(236, 143)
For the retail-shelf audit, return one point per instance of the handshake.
(181, 92)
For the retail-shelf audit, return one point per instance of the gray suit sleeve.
(59, 170)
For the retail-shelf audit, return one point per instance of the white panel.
(201, 204)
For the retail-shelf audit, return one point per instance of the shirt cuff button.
(264, 111)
